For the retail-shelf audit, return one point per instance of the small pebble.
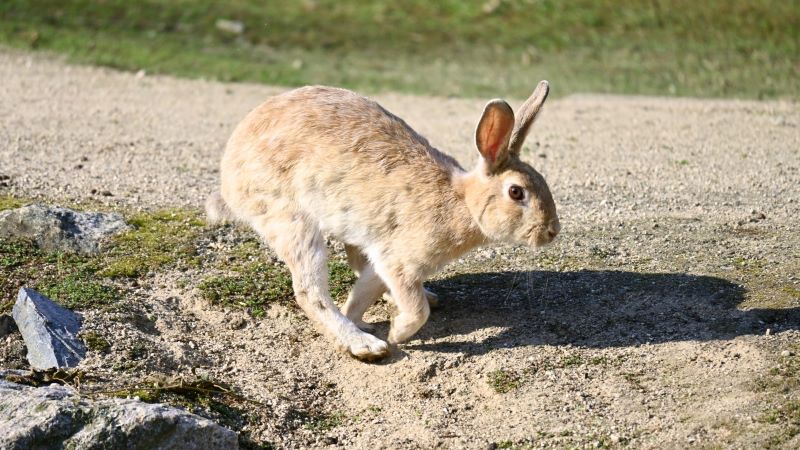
(237, 323)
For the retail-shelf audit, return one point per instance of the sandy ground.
(657, 319)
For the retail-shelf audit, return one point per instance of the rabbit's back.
(342, 159)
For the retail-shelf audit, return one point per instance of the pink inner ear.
(494, 134)
(492, 143)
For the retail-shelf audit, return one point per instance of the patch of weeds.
(8, 202)
(503, 381)
(571, 361)
(787, 415)
(252, 286)
(788, 412)
(80, 291)
(68, 279)
(781, 382)
(96, 342)
(511, 445)
(158, 239)
(325, 422)
(14, 253)
(253, 282)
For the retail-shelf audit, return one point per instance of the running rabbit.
(320, 160)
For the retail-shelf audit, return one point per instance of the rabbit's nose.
(553, 229)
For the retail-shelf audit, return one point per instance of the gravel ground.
(666, 315)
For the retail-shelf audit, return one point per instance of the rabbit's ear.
(493, 132)
(527, 115)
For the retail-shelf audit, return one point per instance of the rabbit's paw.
(365, 346)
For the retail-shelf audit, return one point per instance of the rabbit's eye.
(516, 192)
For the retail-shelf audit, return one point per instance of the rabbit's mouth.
(543, 234)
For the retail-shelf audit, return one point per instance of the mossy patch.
(159, 239)
(253, 286)
(67, 279)
(81, 290)
(8, 202)
(252, 281)
(95, 341)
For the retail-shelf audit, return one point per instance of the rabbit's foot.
(364, 346)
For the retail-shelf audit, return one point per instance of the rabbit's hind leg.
(366, 290)
(300, 244)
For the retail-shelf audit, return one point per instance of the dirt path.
(667, 315)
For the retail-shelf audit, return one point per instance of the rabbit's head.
(508, 199)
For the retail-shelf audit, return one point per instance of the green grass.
(253, 282)
(80, 290)
(7, 202)
(157, 239)
(68, 279)
(721, 48)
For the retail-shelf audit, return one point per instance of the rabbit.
(321, 160)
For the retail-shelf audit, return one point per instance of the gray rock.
(7, 325)
(59, 229)
(55, 417)
(50, 331)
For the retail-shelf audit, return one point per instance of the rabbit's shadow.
(595, 309)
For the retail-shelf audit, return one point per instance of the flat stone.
(54, 228)
(56, 417)
(50, 331)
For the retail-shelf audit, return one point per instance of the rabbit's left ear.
(527, 115)
(493, 133)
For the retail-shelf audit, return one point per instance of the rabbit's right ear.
(493, 133)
